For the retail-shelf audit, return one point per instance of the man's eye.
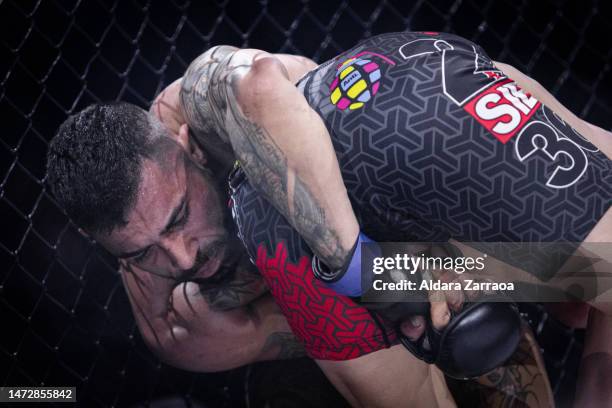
(141, 256)
(183, 220)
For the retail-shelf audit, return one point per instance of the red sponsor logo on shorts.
(493, 74)
(503, 109)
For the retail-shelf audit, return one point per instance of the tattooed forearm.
(285, 345)
(210, 105)
(266, 167)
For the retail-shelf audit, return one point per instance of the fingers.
(439, 310)
(442, 302)
(454, 299)
(413, 327)
(440, 314)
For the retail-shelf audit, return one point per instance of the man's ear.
(190, 146)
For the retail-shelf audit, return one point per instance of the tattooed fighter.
(143, 188)
(224, 93)
(434, 140)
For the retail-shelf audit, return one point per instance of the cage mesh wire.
(65, 317)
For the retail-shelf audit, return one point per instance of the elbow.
(260, 85)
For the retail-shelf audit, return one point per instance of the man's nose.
(182, 251)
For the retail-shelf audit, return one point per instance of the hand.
(461, 351)
(443, 303)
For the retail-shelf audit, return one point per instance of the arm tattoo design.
(266, 167)
(209, 103)
(287, 345)
(201, 108)
(518, 383)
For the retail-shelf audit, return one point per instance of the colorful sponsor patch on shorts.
(357, 80)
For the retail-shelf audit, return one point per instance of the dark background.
(64, 317)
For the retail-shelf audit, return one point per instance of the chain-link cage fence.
(65, 318)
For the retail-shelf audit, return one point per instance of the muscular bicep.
(244, 104)
(277, 118)
(287, 153)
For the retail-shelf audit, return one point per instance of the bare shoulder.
(274, 67)
(530, 85)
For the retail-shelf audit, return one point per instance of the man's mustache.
(226, 269)
(205, 254)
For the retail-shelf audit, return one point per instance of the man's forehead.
(161, 187)
(164, 175)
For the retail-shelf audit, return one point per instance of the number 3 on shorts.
(541, 136)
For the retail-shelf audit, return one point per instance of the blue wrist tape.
(350, 282)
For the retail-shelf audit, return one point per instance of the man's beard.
(234, 251)
(234, 259)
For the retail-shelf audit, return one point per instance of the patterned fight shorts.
(434, 142)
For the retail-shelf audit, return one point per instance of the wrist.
(346, 280)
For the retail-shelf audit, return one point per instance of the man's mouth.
(217, 263)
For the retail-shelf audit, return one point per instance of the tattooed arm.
(184, 328)
(520, 382)
(247, 99)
